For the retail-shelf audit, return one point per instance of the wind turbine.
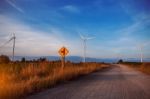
(141, 46)
(141, 53)
(84, 39)
(12, 38)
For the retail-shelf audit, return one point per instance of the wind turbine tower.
(13, 38)
(141, 54)
(141, 48)
(84, 39)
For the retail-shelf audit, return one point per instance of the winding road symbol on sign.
(63, 51)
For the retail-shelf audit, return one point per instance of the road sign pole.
(63, 62)
(63, 52)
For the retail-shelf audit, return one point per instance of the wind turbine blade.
(81, 36)
(11, 39)
(89, 38)
(7, 42)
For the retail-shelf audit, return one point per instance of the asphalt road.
(118, 82)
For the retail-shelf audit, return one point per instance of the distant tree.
(4, 59)
(42, 59)
(120, 61)
(23, 59)
(68, 61)
(34, 60)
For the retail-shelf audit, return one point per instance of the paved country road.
(118, 82)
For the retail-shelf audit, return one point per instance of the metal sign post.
(63, 52)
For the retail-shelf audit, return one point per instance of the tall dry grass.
(20, 79)
(144, 67)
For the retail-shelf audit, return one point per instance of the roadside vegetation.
(144, 67)
(19, 79)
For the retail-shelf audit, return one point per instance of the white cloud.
(127, 43)
(140, 19)
(137, 25)
(32, 42)
(71, 8)
(126, 47)
(10, 2)
(28, 40)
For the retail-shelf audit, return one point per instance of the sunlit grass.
(144, 67)
(20, 79)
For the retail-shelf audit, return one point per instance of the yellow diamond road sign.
(63, 51)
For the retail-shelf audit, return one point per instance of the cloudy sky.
(41, 27)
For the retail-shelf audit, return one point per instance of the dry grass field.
(144, 67)
(19, 79)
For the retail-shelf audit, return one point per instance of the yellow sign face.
(63, 51)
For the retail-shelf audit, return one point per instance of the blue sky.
(43, 26)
